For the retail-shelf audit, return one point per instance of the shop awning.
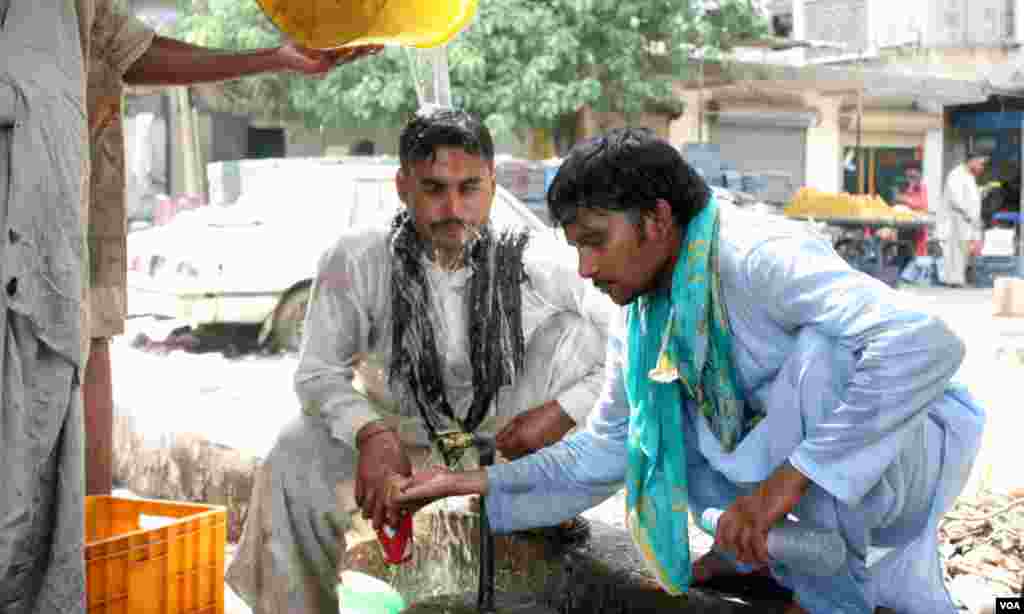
(876, 83)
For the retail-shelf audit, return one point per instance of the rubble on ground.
(982, 545)
(184, 467)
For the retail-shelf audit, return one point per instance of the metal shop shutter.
(774, 145)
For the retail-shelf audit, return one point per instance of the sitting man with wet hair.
(752, 371)
(442, 323)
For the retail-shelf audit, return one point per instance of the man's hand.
(382, 463)
(743, 528)
(534, 429)
(315, 62)
(428, 486)
(173, 62)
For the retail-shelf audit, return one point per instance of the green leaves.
(521, 64)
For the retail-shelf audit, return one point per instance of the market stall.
(871, 235)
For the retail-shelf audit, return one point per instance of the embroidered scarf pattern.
(679, 347)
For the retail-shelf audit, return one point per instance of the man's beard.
(450, 256)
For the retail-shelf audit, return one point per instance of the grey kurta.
(289, 555)
(42, 139)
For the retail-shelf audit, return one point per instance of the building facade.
(861, 88)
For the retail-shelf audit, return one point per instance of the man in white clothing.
(441, 323)
(959, 219)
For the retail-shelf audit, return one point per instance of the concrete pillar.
(799, 56)
(192, 170)
(877, 24)
(1018, 24)
(799, 21)
(686, 128)
(934, 175)
(823, 166)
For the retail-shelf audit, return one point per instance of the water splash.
(537, 574)
(430, 76)
(464, 604)
(446, 560)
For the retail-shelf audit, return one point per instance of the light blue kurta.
(855, 384)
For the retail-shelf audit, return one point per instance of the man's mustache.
(448, 222)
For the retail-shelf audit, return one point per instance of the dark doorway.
(266, 143)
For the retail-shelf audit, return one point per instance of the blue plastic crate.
(754, 183)
(733, 180)
(1009, 217)
(706, 158)
(987, 268)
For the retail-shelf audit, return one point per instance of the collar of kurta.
(455, 280)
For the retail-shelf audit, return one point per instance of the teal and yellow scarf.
(679, 343)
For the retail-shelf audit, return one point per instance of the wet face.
(913, 175)
(977, 165)
(449, 197)
(624, 259)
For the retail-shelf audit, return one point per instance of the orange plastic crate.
(177, 568)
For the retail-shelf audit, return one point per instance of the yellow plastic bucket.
(328, 24)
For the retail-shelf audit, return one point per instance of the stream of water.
(443, 575)
(430, 76)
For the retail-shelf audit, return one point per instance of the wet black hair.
(626, 170)
(435, 127)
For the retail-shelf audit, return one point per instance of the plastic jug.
(328, 24)
(359, 593)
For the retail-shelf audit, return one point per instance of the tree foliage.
(522, 63)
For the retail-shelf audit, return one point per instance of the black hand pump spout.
(485, 593)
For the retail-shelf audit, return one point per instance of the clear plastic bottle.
(814, 552)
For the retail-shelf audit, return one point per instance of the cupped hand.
(425, 487)
(319, 62)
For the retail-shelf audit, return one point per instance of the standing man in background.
(959, 218)
(63, 64)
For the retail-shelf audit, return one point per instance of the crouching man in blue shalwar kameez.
(753, 371)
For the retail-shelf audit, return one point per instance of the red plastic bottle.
(397, 543)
